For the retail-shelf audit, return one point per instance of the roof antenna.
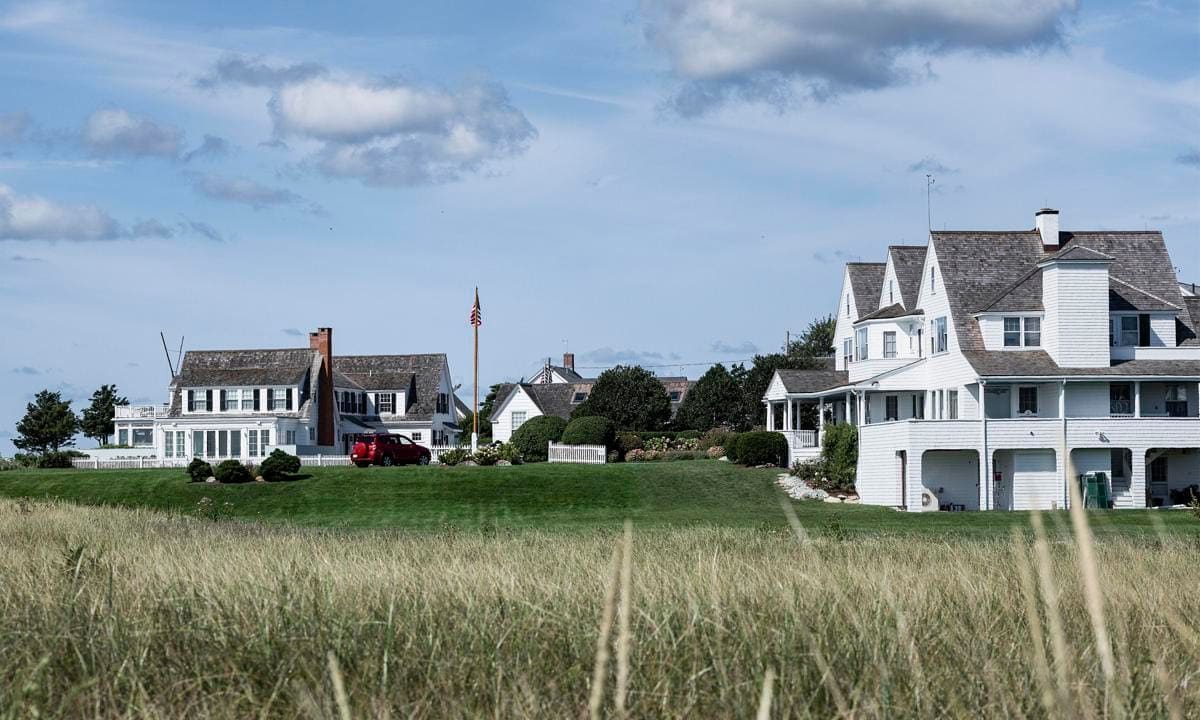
(170, 365)
(929, 181)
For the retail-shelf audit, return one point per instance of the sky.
(664, 182)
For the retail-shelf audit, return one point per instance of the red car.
(387, 450)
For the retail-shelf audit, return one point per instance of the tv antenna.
(929, 181)
(170, 364)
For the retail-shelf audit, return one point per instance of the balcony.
(140, 412)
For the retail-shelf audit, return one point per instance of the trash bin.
(1095, 490)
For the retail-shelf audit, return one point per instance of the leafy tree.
(97, 422)
(712, 402)
(49, 424)
(630, 396)
(816, 341)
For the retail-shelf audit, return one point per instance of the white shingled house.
(989, 369)
(243, 403)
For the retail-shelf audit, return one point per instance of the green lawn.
(555, 497)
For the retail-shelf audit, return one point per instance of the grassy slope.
(558, 497)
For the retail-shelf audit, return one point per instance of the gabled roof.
(1078, 253)
(811, 381)
(908, 261)
(566, 372)
(895, 310)
(866, 281)
(233, 368)
(1123, 296)
(549, 398)
(418, 375)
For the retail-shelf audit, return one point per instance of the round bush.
(762, 447)
(731, 446)
(55, 460)
(279, 465)
(532, 438)
(450, 458)
(198, 470)
(232, 471)
(593, 430)
(627, 442)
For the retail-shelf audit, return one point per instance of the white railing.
(324, 460)
(801, 438)
(135, 412)
(435, 451)
(140, 463)
(579, 454)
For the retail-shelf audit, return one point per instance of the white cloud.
(764, 50)
(31, 217)
(115, 132)
(244, 191)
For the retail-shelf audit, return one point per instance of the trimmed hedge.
(535, 434)
(762, 447)
(731, 446)
(592, 430)
(627, 442)
(198, 470)
(279, 465)
(232, 471)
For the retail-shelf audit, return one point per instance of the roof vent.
(1046, 223)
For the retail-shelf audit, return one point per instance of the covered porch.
(802, 420)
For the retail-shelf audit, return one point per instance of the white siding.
(1087, 399)
(1075, 329)
(502, 425)
(844, 326)
(1035, 481)
(1162, 330)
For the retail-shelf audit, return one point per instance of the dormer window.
(578, 398)
(279, 399)
(384, 402)
(675, 395)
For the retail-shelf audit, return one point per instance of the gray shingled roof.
(891, 311)
(418, 374)
(811, 381)
(1078, 253)
(866, 280)
(550, 398)
(1037, 363)
(995, 271)
(1189, 333)
(566, 372)
(1123, 296)
(234, 368)
(908, 261)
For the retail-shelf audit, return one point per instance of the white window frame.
(1013, 334)
(952, 404)
(1119, 330)
(941, 335)
(415, 436)
(848, 351)
(1021, 389)
(279, 398)
(382, 400)
(252, 443)
(889, 335)
(862, 344)
(200, 400)
(518, 418)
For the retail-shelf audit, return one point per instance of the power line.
(666, 365)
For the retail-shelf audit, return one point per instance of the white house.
(989, 369)
(243, 403)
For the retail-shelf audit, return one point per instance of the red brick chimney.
(569, 361)
(322, 342)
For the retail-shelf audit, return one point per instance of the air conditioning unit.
(928, 499)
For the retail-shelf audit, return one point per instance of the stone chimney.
(569, 361)
(322, 342)
(1046, 222)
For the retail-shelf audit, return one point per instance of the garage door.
(1036, 485)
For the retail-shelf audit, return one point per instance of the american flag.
(476, 312)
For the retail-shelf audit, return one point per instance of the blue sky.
(665, 181)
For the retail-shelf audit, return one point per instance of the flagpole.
(475, 411)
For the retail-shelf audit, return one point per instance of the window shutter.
(224, 394)
(191, 401)
(270, 398)
(208, 400)
(288, 399)
(1143, 331)
(395, 409)
(256, 403)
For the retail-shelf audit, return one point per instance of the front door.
(1158, 481)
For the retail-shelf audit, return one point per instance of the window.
(847, 351)
(312, 435)
(247, 399)
(143, 437)
(123, 436)
(416, 436)
(891, 408)
(1012, 332)
(675, 395)
(1027, 400)
(932, 281)
(252, 443)
(918, 406)
(168, 444)
(1120, 399)
(847, 304)
(279, 399)
(952, 404)
(1177, 401)
(443, 403)
(578, 398)
(264, 438)
(863, 349)
(198, 399)
(289, 437)
(889, 344)
(210, 443)
(939, 331)
(1128, 325)
(383, 402)
(1033, 332)
(231, 400)
(235, 443)
(891, 301)
(1158, 470)
(197, 443)
(223, 443)
(518, 419)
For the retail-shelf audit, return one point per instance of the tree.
(754, 382)
(97, 421)
(630, 396)
(712, 402)
(49, 424)
(816, 341)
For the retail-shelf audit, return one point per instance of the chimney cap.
(1046, 211)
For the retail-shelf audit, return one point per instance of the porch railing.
(801, 438)
(138, 412)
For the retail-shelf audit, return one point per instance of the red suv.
(387, 450)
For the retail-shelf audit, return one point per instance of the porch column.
(820, 419)
(770, 415)
(1137, 398)
(787, 414)
(1137, 477)
(849, 418)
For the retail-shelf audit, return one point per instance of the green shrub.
(839, 457)
(657, 444)
(232, 471)
(628, 442)
(486, 455)
(198, 470)
(717, 437)
(731, 446)
(57, 460)
(590, 430)
(688, 435)
(534, 435)
(762, 447)
(509, 452)
(279, 465)
(450, 458)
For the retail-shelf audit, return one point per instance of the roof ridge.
(1144, 292)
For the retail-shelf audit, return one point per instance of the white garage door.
(1036, 484)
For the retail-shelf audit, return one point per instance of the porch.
(802, 420)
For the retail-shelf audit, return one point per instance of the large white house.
(244, 403)
(987, 370)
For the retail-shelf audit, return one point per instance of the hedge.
(279, 465)
(534, 435)
(592, 430)
(198, 470)
(232, 471)
(762, 447)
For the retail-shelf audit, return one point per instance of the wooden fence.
(578, 454)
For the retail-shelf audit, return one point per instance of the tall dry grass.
(117, 613)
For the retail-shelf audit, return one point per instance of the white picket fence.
(577, 454)
(139, 463)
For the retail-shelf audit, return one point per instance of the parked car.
(387, 450)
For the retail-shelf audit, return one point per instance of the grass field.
(560, 498)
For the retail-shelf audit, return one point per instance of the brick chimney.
(569, 361)
(322, 342)
(1046, 223)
